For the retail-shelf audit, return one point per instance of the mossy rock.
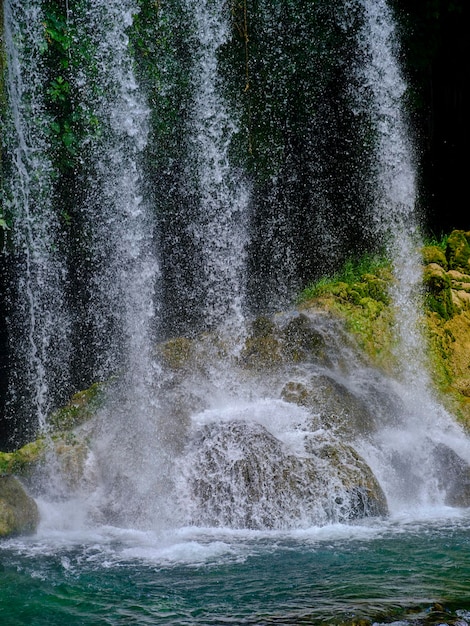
(18, 511)
(371, 324)
(82, 407)
(301, 341)
(176, 353)
(261, 353)
(434, 254)
(449, 343)
(291, 340)
(262, 347)
(458, 251)
(71, 452)
(438, 294)
(376, 288)
(22, 461)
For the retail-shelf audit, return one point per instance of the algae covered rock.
(434, 254)
(23, 460)
(176, 353)
(437, 284)
(18, 511)
(293, 339)
(458, 251)
(82, 407)
(262, 347)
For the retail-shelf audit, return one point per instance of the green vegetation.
(21, 461)
(359, 295)
(64, 52)
(82, 406)
(349, 277)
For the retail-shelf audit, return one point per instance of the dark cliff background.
(435, 39)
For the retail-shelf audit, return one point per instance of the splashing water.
(394, 218)
(124, 286)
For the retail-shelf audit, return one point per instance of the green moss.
(21, 461)
(176, 353)
(364, 305)
(458, 250)
(366, 277)
(359, 294)
(438, 294)
(82, 407)
(434, 254)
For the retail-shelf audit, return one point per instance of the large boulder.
(18, 511)
(238, 474)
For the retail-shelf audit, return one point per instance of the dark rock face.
(18, 511)
(454, 476)
(333, 403)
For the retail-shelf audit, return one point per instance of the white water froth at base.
(108, 546)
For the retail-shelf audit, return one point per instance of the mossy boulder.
(293, 339)
(18, 511)
(176, 353)
(434, 254)
(82, 407)
(438, 292)
(458, 251)
(69, 450)
(24, 460)
(262, 347)
(460, 290)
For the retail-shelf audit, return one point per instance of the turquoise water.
(398, 570)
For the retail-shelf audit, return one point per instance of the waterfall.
(39, 322)
(123, 308)
(407, 446)
(220, 226)
(271, 423)
(394, 217)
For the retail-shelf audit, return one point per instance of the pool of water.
(395, 571)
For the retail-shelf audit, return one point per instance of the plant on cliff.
(358, 293)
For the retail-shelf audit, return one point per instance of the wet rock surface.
(18, 511)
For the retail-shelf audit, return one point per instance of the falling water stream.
(39, 314)
(261, 472)
(220, 228)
